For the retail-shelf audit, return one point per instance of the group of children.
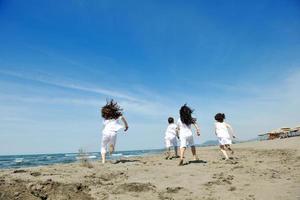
(182, 130)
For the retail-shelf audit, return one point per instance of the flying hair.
(111, 110)
(186, 115)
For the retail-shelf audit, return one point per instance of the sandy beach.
(258, 170)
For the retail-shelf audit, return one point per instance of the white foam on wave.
(128, 156)
(117, 154)
(70, 155)
(85, 157)
(19, 160)
(92, 157)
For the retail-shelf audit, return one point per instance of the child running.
(112, 114)
(170, 138)
(223, 134)
(185, 132)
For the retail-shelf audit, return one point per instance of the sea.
(20, 161)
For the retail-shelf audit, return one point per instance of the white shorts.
(186, 141)
(224, 141)
(108, 139)
(171, 142)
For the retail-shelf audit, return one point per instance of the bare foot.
(167, 155)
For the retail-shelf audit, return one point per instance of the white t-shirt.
(222, 130)
(111, 126)
(184, 130)
(171, 131)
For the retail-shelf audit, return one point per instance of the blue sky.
(60, 61)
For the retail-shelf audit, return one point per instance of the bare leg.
(175, 150)
(111, 149)
(103, 157)
(182, 150)
(229, 148)
(193, 148)
(224, 151)
(168, 153)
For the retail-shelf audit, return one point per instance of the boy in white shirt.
(112, 115)
(171, 136)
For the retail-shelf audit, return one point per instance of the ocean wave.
(19, 160)
(92, 157)
(128, 156)
(116, 154)
(85, 157)
(70, 155)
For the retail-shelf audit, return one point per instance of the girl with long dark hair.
(184, 126)
(112, 115)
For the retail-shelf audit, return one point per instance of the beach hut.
(295, 132)
(271, 135)
(274, 134)
(283, 132)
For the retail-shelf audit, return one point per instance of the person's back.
(171, 131)
(111, 126)
(222, 130)
(184, 130)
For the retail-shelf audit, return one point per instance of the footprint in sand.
(134, 187)
(232, 188)
(173, 189)
(35, 174)
(220, 179)
(19, 171)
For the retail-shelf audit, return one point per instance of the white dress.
(109, 133)
(185, 134)
(170, 136)
(222, 133)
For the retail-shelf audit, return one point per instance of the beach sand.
(267, 170)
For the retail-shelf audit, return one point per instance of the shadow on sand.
(197, 161)
(124, 161)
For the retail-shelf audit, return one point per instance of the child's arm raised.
(231, 130)
(197, 128)
(125, 123)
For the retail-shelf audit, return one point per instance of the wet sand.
(258, 170)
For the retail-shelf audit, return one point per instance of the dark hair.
(220, 117)
(171, 120)
(111, 110)
(186, 115)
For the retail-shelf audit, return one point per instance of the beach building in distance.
(281, 133)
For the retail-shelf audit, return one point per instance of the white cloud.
(44, 78)
(149, 104)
